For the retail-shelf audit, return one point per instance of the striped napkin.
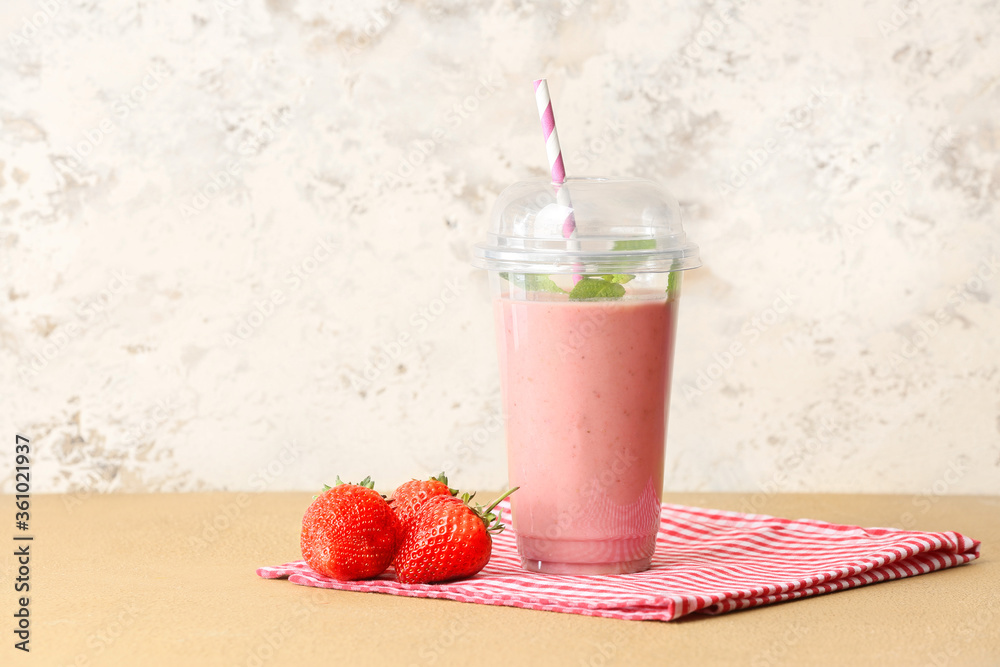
(706, 561)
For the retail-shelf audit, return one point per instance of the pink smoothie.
(586, 385)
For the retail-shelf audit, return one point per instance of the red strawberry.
(409, 496)
(349, 532)
(447, 540)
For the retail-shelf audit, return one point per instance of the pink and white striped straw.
(554, 152)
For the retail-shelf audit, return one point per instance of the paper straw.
(554, 153)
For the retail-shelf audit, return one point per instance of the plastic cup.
(585, 333)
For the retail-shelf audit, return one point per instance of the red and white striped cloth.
(706, 561)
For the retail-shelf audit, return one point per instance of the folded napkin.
(706, 561)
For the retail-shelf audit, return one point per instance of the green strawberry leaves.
(444, 480)
(366, 482)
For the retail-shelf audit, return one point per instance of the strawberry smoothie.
(586, 386)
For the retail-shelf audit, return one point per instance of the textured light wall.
(235, 234)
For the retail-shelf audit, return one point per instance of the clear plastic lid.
(623, 225)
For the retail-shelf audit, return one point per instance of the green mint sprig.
(595, 288)
(533, 282)
(673, 283)
(607, 286)
(604, 286)
(618, 278)
(592, 287)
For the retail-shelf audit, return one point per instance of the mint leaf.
(618, 278)
(673, 282)
(635, 244)
(537, 282)
(533, 282)
(595, 288)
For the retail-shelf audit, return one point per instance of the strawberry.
(409, 496)
(349, 532)
(447, 539)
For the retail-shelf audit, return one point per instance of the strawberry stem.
(500, 499)
(492, 520)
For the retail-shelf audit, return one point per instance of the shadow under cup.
(585, 330)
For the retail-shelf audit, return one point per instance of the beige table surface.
(140, 580)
